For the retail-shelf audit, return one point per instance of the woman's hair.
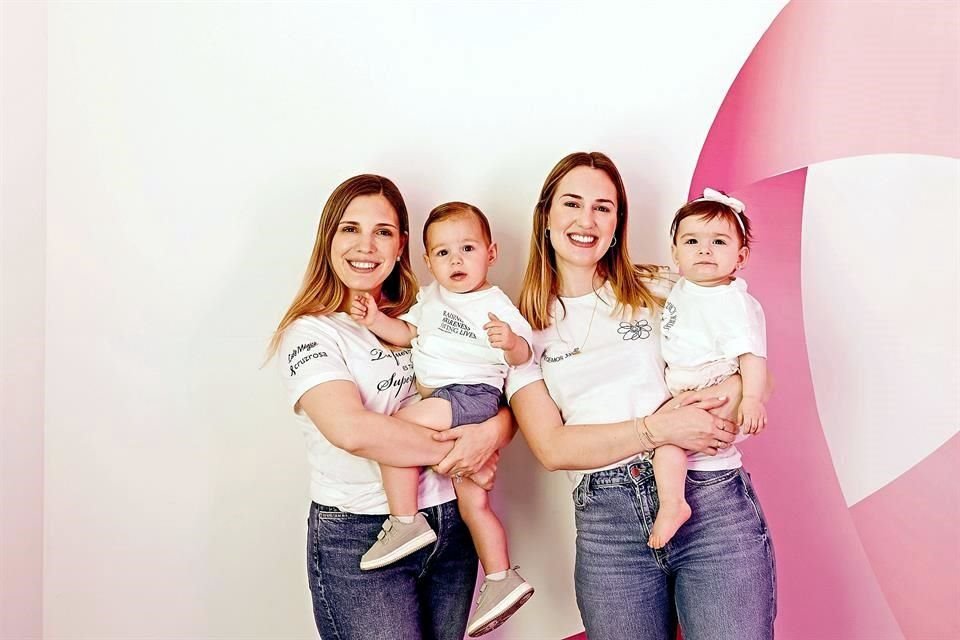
(447, 210)
(322, 292)
(541, 281)
(710, 210)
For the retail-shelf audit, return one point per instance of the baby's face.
(458, 255)
(708, 252)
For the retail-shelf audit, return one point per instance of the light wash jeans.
(717, 574)
(425, 595)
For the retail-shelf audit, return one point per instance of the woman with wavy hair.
(597, 406)
(344, 385)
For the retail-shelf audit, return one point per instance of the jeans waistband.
(633, 472)
(444, 507)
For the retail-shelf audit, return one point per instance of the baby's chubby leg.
(401, 483)
(401, 486)
(487, 532)
(670, 470)
(433, 413)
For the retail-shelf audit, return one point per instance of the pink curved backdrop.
(832, 80)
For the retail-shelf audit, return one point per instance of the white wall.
(881, 311)
(23, 105)
(190, 150)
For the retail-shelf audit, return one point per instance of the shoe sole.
(424, 539)
(502, 612)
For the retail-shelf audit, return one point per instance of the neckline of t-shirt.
(693, 287)
(469, 294)
(604, 291)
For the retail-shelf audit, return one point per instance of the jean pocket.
(710, 478)
(581, 493)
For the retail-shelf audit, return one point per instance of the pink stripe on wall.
(909, 531)
(23, 119)
(838, 79)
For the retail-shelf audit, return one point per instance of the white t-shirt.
(704, 331)
(618, 373)
(451, 346)
(318, 349)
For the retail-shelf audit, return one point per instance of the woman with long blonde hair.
(595, 406)
(344, 385)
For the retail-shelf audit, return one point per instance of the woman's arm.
(574, 447)
(337, 411)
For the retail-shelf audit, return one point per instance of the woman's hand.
(731, 389)
(692, 426)
(485, 477)
(474, 444)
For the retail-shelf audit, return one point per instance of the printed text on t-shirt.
(667, 319)
(452, 323)
(301, 349)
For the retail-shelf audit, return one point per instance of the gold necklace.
(578, 350)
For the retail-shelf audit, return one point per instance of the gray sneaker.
(499, 599)
(398, 540)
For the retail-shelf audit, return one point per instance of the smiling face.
(366, 244)
(582, 219)
(459, 254)
(708, 252)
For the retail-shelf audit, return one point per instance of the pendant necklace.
(578, 350)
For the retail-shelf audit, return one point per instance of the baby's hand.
(500, 334)
(363, 309)
(752, 416)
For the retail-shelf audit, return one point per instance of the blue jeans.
(425, 595)
(716, 575)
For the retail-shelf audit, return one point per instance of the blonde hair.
(322, 292)
(541, 281)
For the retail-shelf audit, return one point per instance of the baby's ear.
(492, 253)
(426, 261)
(743, 256)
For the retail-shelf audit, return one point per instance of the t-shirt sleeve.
(412, 316)
(310, 355)
(519, 377)
(744, 330)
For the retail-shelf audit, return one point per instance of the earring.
(613, 243)
(546, 233)
(398, 258)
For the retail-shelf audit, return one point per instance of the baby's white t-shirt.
(318, 349)
(704, 331)
(451, 346)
